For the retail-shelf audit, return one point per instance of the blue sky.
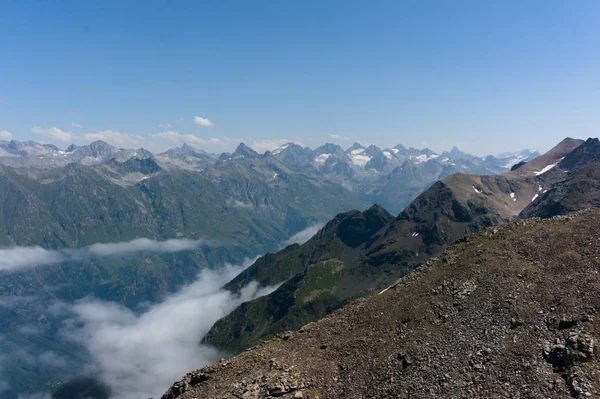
(488, 76)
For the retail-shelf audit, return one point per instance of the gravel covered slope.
(509, 313)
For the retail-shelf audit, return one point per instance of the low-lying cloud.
(140, 356)
(144, 245)
(19, 258)
(233, 203)
(304, 235)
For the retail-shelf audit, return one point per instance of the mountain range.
(391, 176)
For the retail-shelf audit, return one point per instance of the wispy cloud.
(261, 146)
(54, 133)
(216, 144)
(19, 258)
(339, 137)
(233, 203)
(143, 245)
(165, 126)
(202, 121)
(76, 126)
(180, 138)
(5, 135)
(140, 356)
(304, 235)
(116, 138)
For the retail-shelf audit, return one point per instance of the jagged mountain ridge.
(392, 177)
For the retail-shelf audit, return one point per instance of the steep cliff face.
(509, 312)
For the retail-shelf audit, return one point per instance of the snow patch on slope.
(320, 160)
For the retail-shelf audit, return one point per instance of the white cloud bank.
(304, 235)
(116, 138)
(19, 258)
(202, 121)
(5, 135)
(54, 133)
(140, 356)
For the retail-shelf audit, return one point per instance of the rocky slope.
(511, 312)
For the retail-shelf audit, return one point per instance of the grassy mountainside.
(511, 312)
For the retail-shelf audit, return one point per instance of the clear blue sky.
(487, 76)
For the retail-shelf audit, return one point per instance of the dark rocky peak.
(427, 151)
(224, 156)
(518, 165)
(51, 147)
(145, 166)
(355, 146)
(185, 151)
(456, 154)
(294, 154)
(440, 202)
(243, 151)
(587, 152)
(378, 214)
(430, 205)
(329, 148)
(354, 227)
(13, 145)
(378, 159)
(373, 150)
(529, 153)
(143, 153)
(415, 152)
(97, 148)
(27, 147)
(72, 148)
(291, 149)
